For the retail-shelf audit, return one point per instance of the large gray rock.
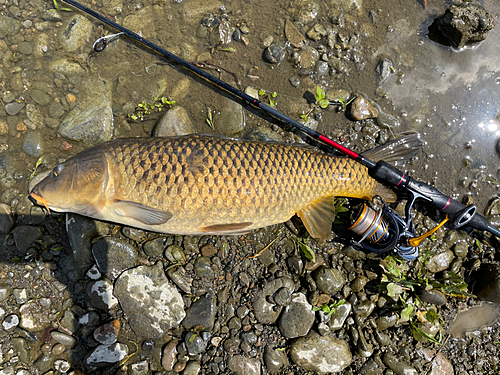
(91, 121)
(75, 33)
(321, 354)
(201, 314)
(173, 123)
(150, 302)
(465, 25)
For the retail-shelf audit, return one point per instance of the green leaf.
(261, 92)
(272, 103)
(417, 331)
(394, 290)
(307, 252)
(323, 103)
(305, 118)
(320, 94)
(406, 314)
(274, 94)
(431, 316)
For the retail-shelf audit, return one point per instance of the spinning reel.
(382, 229)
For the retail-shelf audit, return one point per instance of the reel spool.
(381, 229)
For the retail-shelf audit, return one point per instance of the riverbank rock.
(150, 302)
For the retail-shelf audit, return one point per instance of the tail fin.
(400, 149)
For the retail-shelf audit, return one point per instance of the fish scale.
(211, 180)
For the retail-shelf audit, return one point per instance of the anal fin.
(139, 212)
(237, 228)
(318, 217)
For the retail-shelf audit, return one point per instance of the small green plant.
(323, 103)
(329, 309)
(211, 118)
(59, 7)
(38, 162)
(403, 286)
(145, 109)
(270, 96)
(305, 251)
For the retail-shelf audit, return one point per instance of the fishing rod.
(383, 229)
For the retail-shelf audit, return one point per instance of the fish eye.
(57, 170)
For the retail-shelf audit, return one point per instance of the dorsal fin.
(399, 149)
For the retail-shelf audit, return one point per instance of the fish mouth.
(39, 200)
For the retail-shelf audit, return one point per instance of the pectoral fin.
(146, 215)
(236, 228)
(318, 217)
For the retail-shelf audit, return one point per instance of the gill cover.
(77, 185)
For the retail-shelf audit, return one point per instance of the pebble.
(340, 315)
(100, 293)
(275, 53)
(386, 321)
(56, 110)
(139, 368)
(173, 123)
(201, 314)
(399, 367)
(231, 120)
(267, 312)
(361, 109)
(40, 97)
(194, 343)
(433, 297)
(33, 318)
(43, 363)
(20, 345)
(274, 359)
(26, 48)
(203, 268)
(154, 248)
(14, 108)
(440, 262)
(58, 349)
(460, 249)
(297, 318)
(321, 354)
(358, 284)
(107, 354)
(75, 32)
(383, 70)
(180, 277)
(107, 334)
(92, 121)
(33, 144)
(293, 35)
(208, 250)
(64, 339)
(5, 291)
(169, 355)
(328, 280)
(242, 365)
(6, 222)
(114, 255)
(62, 365)
(192, 368)
(152, 305)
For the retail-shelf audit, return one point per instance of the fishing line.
(459, 215)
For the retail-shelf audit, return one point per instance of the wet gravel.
(79, 296)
